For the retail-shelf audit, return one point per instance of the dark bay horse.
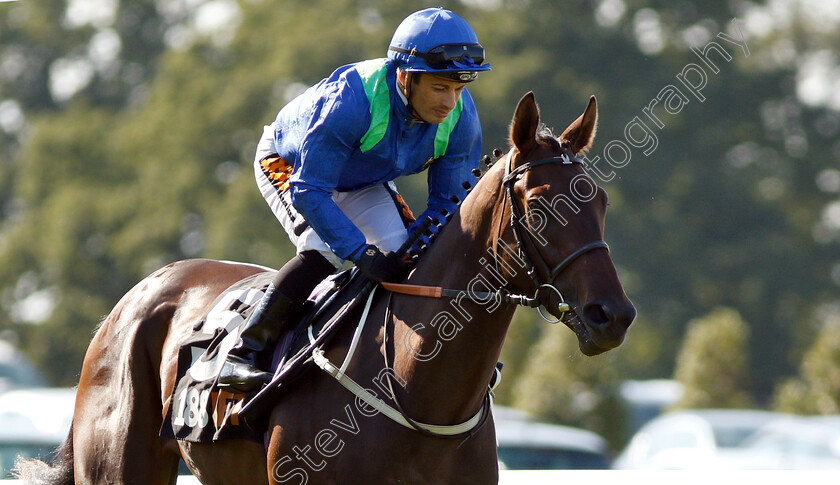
(533, 225)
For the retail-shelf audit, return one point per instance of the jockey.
(326, 164)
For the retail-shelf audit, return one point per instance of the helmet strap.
(404, 80)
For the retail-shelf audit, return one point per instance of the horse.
(533, 224)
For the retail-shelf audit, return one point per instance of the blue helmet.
(437, 41)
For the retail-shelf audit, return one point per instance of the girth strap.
(397, 415)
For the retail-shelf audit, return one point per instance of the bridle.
(540, 272)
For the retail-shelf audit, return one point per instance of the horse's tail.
(37, 472)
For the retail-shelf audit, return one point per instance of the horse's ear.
(581, 133)
(523, 127)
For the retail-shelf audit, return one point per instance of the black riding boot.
(282, 302)
(264, 325)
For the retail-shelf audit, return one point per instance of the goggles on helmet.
(444, 56)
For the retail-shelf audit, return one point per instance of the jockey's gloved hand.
(379, 266)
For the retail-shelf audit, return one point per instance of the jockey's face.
(433, 97)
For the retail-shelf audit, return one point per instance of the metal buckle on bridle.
(562, 307)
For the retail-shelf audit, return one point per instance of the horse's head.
(557, 218)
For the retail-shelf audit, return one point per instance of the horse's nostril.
(596, 314)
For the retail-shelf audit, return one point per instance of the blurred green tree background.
(127, 130)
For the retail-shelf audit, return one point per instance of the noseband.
(540, 272)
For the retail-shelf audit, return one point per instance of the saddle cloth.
(201, 412)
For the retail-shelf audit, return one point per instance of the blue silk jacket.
(320, 134)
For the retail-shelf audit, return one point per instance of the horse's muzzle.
(602, 326)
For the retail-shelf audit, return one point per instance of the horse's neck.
(451, 346)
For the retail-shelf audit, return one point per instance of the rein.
(529, 252)
(501, 295)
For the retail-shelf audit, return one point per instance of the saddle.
(201, 412)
